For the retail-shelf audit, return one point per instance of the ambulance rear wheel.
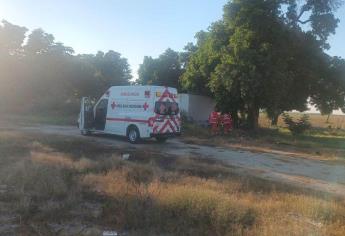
(161, 139)
(85, 132)
(133, 135)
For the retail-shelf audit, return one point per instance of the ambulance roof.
(140, 87)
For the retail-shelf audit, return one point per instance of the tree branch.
(303, 10)
(304, 22)
(301, 13)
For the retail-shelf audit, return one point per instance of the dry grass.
(189, 204)
(48, 181)
(317, 120)
(323, 141)
(52, 119)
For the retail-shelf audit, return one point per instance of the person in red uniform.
(227, 123)
(214, 122)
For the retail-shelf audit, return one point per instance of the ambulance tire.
(161, 139)
(85, 132)
(133, 134)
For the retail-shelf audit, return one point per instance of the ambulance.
(135, 112)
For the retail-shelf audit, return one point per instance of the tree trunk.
(274, 120)
(327, 121)
(253, 117)
(234, 116)
(242, 119)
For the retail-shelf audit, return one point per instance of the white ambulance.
(133, 111)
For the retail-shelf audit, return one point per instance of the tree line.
(38, 74)
(262, 55)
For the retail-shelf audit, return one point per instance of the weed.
(297, 127)
(152, 194)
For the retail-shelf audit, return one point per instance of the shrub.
(40, 191)
(299, 126)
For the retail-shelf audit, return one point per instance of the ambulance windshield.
(166, 108)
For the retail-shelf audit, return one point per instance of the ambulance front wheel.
(85, 132)
(133, 135)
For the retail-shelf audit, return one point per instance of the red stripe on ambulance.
(173, 119)
(163, 127)
(172, 127)
(128, 120)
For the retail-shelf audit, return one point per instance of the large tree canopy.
(259, 56)
(44, 75)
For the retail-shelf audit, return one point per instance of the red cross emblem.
(113, 105)
(146, 106)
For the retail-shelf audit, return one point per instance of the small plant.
(299, 126)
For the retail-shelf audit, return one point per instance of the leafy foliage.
(260, 56)
(329, 91)
(42, 75)
(164, 70)
(297, 127)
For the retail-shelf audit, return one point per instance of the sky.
(134, 28)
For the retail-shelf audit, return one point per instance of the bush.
(40, 191)
(297, 127)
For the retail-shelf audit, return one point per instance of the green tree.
(202, 62)
(11, 38)
(39, 42)
(112, 68)
(184, 56)
(148, 71)
(45, 76)
(260, 57)
(329, 91)
(164, 70)
(317, 14)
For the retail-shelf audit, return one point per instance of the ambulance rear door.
(86, 119)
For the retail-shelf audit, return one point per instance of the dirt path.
(320, 175)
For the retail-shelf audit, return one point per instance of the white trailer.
(133, 111)
(196, 108)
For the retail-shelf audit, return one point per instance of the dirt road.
(320, 175)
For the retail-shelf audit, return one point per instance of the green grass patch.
(319, 138)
